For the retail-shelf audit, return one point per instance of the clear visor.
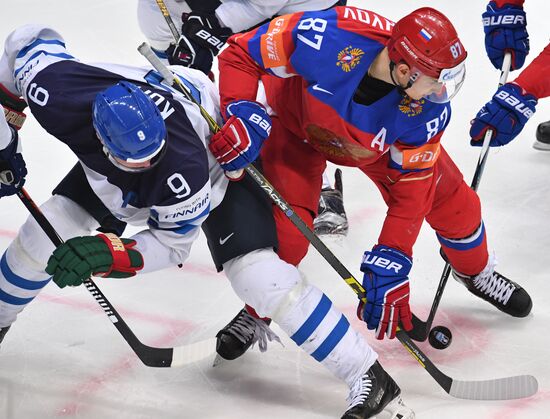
(447, 86)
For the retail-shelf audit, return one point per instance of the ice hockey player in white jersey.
(205, 25)
(143, 156)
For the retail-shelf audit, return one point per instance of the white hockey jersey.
(237, 15)
(173, 198)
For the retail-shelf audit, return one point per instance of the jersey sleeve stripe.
(36, 54)
(273, 51)
(24, 51)
(253, 43)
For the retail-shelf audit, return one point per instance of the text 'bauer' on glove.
(386, 282)
(506, 114)
(506, 31)
(202, 38)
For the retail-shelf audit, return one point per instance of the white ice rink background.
(63, 358)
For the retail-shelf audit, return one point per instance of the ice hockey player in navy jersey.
(143, 157)
(113, 119)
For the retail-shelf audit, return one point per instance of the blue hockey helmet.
(130, 127)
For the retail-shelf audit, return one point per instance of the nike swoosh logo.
(320, 89)
(222, 241)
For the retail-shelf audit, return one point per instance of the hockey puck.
(440, 337)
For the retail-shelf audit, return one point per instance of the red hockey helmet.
(427, 41)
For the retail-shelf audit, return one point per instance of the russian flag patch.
(425, 35)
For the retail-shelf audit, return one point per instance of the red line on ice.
(83, 391)
(8, 233)
(118, 368)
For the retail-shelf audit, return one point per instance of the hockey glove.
(104, 255)
(13, 108)
(386, 281)
(506, 30)
(202, 38)
(506, 114)
(12, 166)
(239, 141)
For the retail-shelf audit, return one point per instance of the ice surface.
(63, 358)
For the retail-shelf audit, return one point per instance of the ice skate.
(543, 137)
(241, 333)
(3, 332)
(498, 290)
(376, 392)
(332, 219)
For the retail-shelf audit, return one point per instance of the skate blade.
(396, 409)
(541, 146)
(218, 360)
(337, 234)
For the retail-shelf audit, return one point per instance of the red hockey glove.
(239, 141)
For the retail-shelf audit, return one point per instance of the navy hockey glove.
(104, 255)
(239, 141)
(12, 166)
(505, 30)
(506, 114)
(202, 38)
(386, 281)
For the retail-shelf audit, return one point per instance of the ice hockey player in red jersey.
(505, 25)
(373, 95)
(143, 157)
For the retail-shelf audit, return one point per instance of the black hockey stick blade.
(507, 388)
(443, 380)
(150, 356)
(420, 330)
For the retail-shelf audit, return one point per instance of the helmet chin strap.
(400, 88)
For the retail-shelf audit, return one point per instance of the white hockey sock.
(320, 329)
(276, 289)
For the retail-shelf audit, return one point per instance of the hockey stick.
(168, 18)
(150, 356)
(499, 389)
(421, 330)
